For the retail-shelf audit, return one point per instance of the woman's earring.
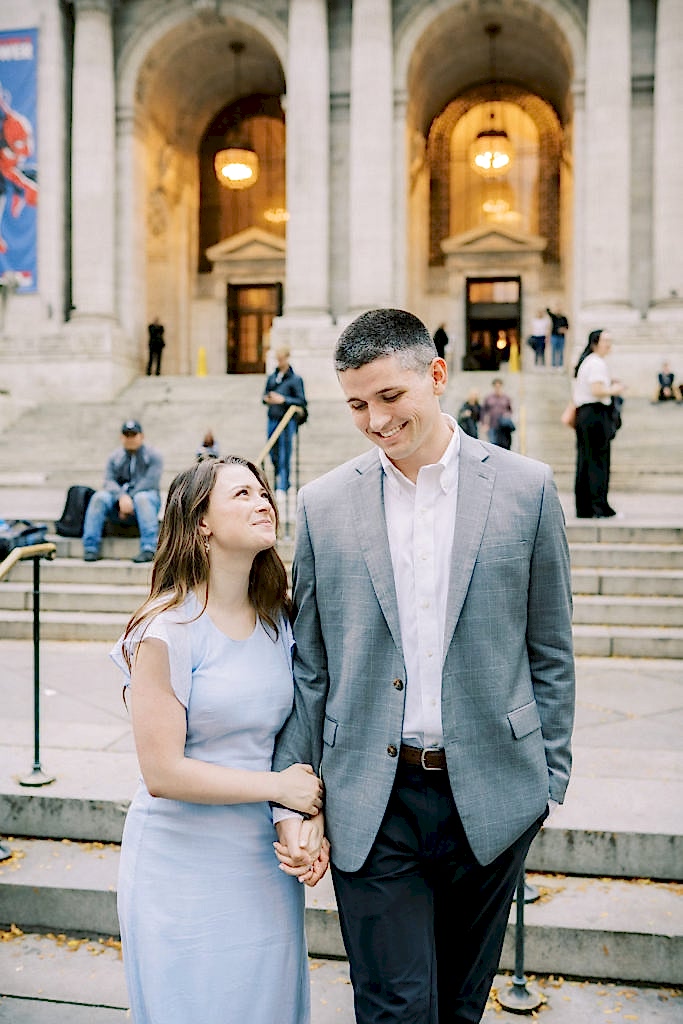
(205, 541)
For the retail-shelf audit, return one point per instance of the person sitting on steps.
(129, 494)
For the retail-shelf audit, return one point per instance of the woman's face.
(240, 516)
(604, 344)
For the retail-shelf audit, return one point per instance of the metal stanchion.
(36, 777)
(519, 998)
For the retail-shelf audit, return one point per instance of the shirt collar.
(447, 464)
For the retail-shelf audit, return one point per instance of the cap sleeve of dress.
(173, 629)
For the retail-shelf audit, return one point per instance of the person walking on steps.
(283, 388)
(129, 494)
(434, 679)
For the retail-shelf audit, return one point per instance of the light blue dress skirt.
(212, 930)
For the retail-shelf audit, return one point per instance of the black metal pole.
(37, 777)
(519, 998)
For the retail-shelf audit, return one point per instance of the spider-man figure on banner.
(16, 147)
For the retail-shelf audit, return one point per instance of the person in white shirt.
(593, 392)
(434, 680)
(539, 332)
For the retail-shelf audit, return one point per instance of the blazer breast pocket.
(525, 720)
(494, 554)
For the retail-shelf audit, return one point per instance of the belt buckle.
(423, 763)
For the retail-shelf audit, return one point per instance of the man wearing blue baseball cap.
(129, 494)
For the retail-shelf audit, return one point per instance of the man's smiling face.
(398, 410)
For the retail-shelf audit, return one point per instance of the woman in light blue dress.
(212, 925)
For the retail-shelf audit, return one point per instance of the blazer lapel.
(475, 488)
(367, 502)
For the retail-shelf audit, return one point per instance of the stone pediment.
(490, 238)
(252, 245)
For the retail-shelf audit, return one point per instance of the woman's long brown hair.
(181, 562)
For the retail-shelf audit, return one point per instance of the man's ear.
(439, 372)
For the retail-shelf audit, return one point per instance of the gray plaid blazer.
(508, 675)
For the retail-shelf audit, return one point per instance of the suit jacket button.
(398, 683)
(392, 751)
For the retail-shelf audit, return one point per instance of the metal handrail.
(261, 460)
(36, 777)
(261, 457)
(46, 550)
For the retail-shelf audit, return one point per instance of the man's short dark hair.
(385, 332)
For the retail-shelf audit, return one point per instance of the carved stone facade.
(373, 92)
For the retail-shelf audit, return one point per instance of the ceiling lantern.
(491, 153)
(237, 166)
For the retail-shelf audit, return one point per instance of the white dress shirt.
(420, 520)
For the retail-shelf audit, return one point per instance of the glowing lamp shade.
(236, 168)
(491, 153)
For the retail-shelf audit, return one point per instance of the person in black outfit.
(283, 388)
(156, 346)
(666, 391)
(440, 340)
(558, 331)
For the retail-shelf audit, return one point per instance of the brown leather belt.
(431, 759)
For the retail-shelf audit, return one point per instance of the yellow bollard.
(201, 361)
(514, 357)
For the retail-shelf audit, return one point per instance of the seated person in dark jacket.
(667, 391)
(469, 414)
(129, 494)
(283, 388)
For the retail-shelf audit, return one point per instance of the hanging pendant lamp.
(491, 152)
(237, 167)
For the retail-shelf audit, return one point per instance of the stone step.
(627, 642)
(644, 557)
(594, 833)
(62, 980)
(623, 929)
(601, 641)
(66, 597)
(619, 610)
(626, 582)
(570, 850)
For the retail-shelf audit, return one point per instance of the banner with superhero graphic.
(18, 158)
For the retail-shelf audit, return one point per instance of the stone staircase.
(627, 582)
(610, 893)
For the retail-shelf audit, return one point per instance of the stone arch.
(438, 154)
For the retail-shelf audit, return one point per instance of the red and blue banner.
(18, 157)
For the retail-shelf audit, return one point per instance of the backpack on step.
(19, 533)
(73, 517)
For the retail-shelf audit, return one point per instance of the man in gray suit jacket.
(434, 679)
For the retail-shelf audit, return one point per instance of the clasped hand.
(301, 789)
(302, 849)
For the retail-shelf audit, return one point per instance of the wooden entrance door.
(251, 308)
(493, 316)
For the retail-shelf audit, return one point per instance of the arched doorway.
(188, 79)
(449, 86)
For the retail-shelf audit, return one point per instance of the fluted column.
(308, 105)
(607, 181)
(93, 160)
(668, 155)
(371, 174)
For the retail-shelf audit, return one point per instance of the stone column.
(93, 167)
(607, 178)
(308, 106)
(371, 179)
(668, 156)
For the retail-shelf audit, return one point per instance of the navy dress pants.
(423, 922)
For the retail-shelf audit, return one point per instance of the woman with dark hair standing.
(212, 929)
(593, 392)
